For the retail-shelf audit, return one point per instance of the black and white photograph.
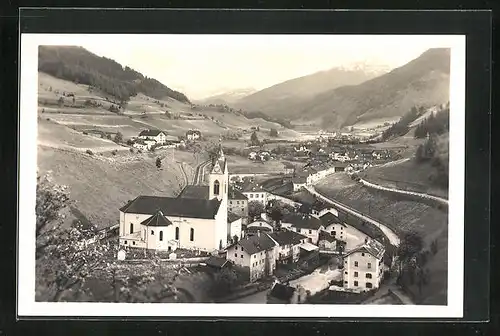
(221, 174)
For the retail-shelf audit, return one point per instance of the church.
(195, 220)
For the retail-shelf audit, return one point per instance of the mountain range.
(228, 97)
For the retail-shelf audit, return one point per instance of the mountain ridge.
(77, 64)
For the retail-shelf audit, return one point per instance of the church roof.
(195, 191)
(157, 220)
(173, 206)
(235, 194)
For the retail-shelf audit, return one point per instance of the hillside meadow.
(100, 185)
(401, 216)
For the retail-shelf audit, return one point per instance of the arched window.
(191, 235)
(161, 235)
(131, 228)
(176, 233)
(216, 187)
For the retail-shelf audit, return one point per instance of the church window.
(152, 233)
(176, 233)
(191, 235)
(216, 187)
(131, 228)
(161, 235)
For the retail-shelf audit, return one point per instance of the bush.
(89, 152)
(131, 150)
(114, 152)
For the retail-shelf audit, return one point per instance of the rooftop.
(329, 218)
(150, 132)
(216, 262)
(286, 237)
(302, 221)
(173, 206)
(373, 247)
(195, 191)
(256, 243)
(235, 194)
(324, 235)
(231, 217)
(157, 220)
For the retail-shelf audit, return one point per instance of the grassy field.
(401, 216)
(51, 134)
(102, 184)
(209, 121)
(240, 165)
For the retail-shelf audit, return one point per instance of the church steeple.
(219, 177)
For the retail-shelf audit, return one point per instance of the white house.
(260, 224)
(197, 222)
(308, 226)
(287, 245)
(299, 182)
(335, 227)
(320, 208)
(256, 253)
(193, 135)
(255, 193)
(364, 267)
(234, 223)
(155, 135)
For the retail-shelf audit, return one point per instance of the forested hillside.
(78, 65)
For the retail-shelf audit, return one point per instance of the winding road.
(390, 234)
(199, 175)
(440, 200)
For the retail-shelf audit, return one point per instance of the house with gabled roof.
(288, 245)
(364, 266)
(255, 253)
(238, 202)
(334, 226)
(304, 224)
(196, 219)
(155, 135)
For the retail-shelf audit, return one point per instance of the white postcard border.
(27, 200)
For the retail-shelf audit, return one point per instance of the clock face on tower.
(217, 168)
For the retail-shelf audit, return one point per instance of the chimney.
(258, 233)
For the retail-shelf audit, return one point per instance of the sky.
(204, 65)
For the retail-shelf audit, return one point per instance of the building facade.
(364, 267)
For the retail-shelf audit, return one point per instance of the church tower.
(218, 188)
(219, 178)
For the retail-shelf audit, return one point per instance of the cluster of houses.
(214, 218)
(150, 138)
(259, 156)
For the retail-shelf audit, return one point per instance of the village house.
(254, 192)
(234, 225)
(286, 294)
(320, 208)
(307, 225)
(288, 245)
(363, 266)
(334, 226)
(196, 219)
(238, 202)
(193, 135)
(299, 182)
(153, 135)
(262, 224)
(256, 253)
(327, 241)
